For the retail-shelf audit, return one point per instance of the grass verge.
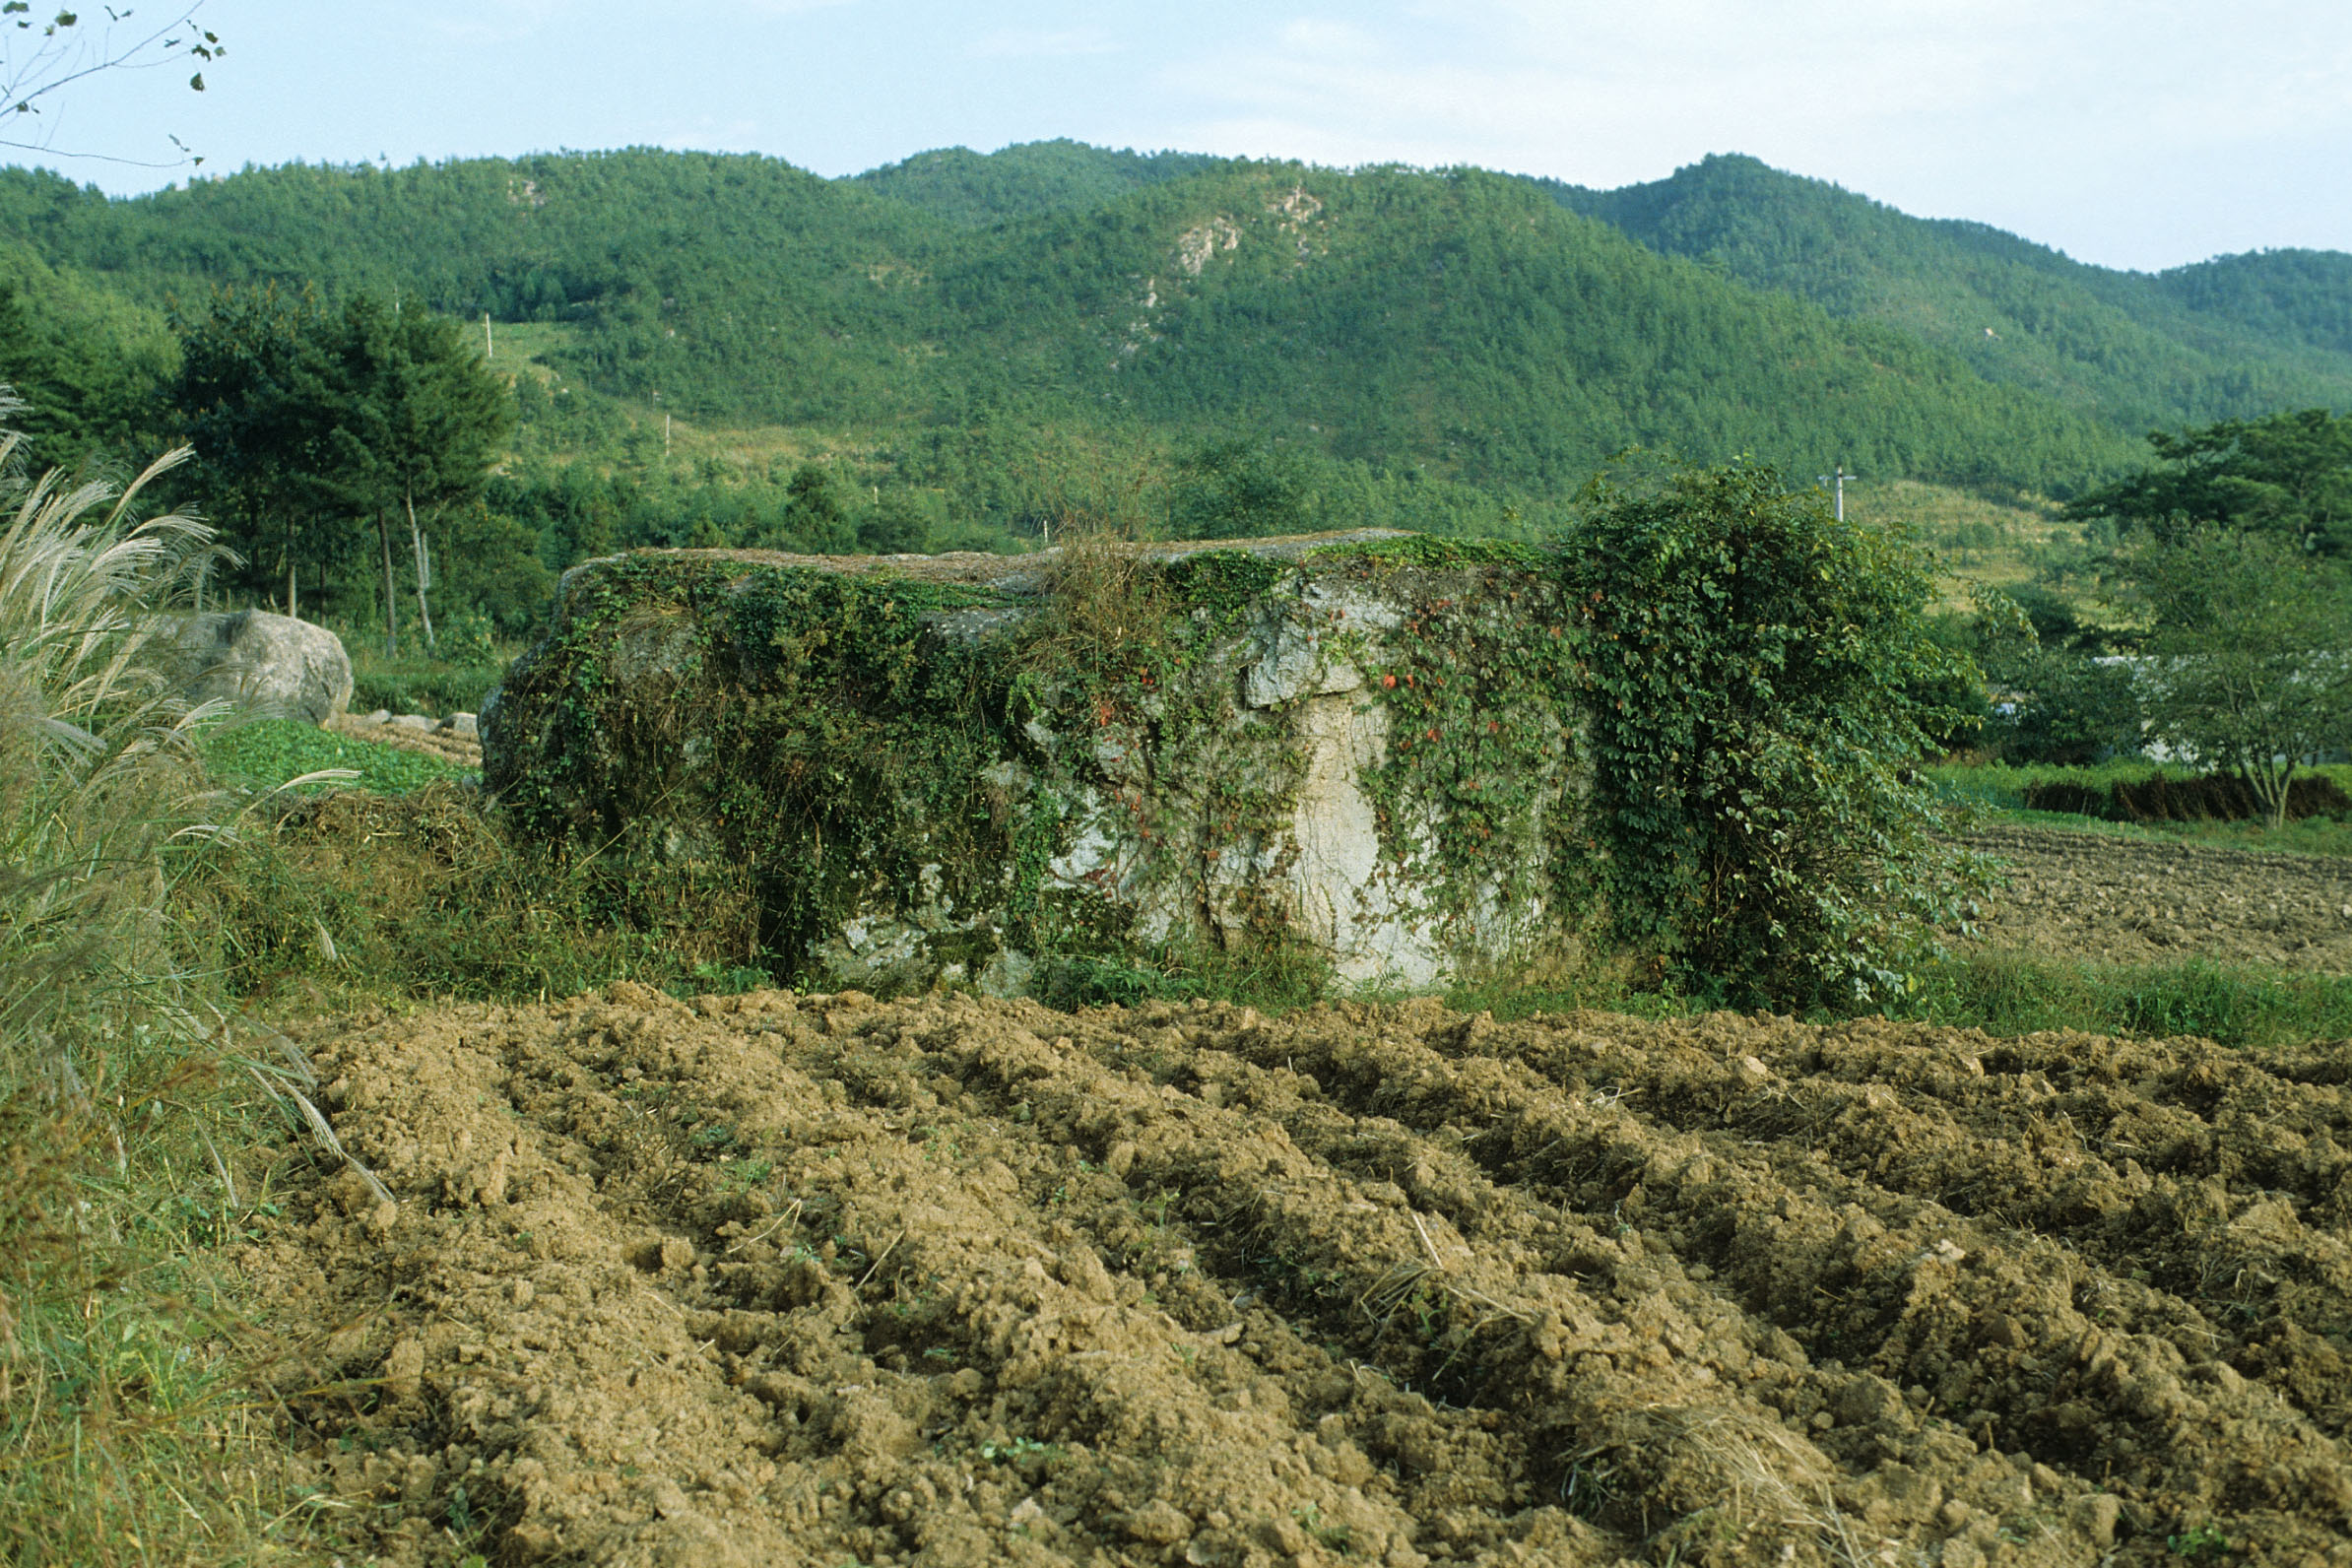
(2250, 1008)
(2007, 993)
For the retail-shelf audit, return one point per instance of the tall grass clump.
(109, 1178)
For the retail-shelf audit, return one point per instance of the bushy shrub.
(1950, 696)
(1750, 664)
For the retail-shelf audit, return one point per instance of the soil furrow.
(803, 1280)
(1883, 1283)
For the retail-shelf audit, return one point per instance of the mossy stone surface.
(1357, 754)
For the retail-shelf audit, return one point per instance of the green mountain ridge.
(2182, 345)
(974, 191)
(1457, 328)
(2293, 296)
(2228, 338)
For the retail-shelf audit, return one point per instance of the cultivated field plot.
(2130, 900)
(816, 1281)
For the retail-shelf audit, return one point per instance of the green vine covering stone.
(1098, 768)
(1370, 761)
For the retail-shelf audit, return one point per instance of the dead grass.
(1107, 596)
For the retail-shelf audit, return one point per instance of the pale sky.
(2132, 133)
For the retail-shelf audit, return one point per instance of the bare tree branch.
(41, 59)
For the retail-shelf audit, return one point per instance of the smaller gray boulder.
(267, 664)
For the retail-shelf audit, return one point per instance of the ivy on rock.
(1694, 717)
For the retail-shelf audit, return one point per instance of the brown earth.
(2123, 900)
(813, 1280)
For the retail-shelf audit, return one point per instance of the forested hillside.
(2225, 339)
(976, 190)
(1458, 324)
(961, 349)
(2301, 297)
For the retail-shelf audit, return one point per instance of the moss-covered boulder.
(1350, 756)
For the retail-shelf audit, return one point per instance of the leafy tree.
(2287, 474)
(307, 418)
(1750, 664)
(253, 398)
(2068, 708)
(814, 517)
(87, 362)
(893, 526)
(2246, 668)
(2062, 705)
(491, 568)
(1239, 490)
(415, 420)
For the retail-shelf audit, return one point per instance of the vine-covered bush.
(811, 726)
(1748, 663)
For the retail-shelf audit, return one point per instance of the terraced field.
(773, 1279)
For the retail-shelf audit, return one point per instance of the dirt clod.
(806, 1280)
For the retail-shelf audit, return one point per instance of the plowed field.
(816, 1281)
(2126, 900)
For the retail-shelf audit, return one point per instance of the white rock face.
(1339, 894)
(267, 664)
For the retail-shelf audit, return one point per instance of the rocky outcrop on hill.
(1344, 751)
(262, 663)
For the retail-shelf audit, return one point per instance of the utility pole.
(1838, 481)
(490, 349)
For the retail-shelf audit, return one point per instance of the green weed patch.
(265, 753)
(2005, 993)
(421, 894)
